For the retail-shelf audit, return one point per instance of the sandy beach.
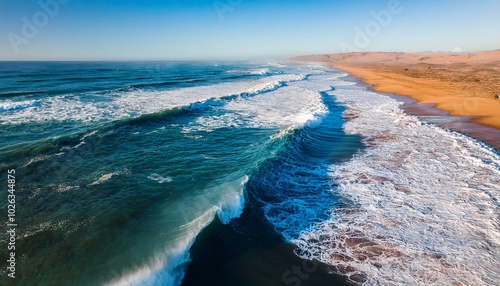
(462, 84)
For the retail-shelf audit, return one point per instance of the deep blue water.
(169, 173)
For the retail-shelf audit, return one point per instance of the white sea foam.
(64, 188)
(40, 158)
(286, 107)
(262, 71)
(232, 207)
(318, 82)
(160, 179)
(168, 267)
(107, 176)
(256, 71)
(103, 178)
(57, 225)
(9, 105)
(425, 203)
(45, 226)
(82, 140)
(136, 102)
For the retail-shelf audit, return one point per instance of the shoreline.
(428, 112)
(441, 89)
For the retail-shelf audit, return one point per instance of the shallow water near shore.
(429, 113)
(463, 124)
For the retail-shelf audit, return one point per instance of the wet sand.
(454, 91)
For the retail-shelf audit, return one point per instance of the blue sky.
(240, 29)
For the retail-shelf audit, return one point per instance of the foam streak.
(424, 203)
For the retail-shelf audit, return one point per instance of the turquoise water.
(190, 173)
(119, 166)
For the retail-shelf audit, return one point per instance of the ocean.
(235, 173)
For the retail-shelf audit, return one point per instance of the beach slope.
(462, 84)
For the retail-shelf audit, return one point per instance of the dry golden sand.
(462, 84)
